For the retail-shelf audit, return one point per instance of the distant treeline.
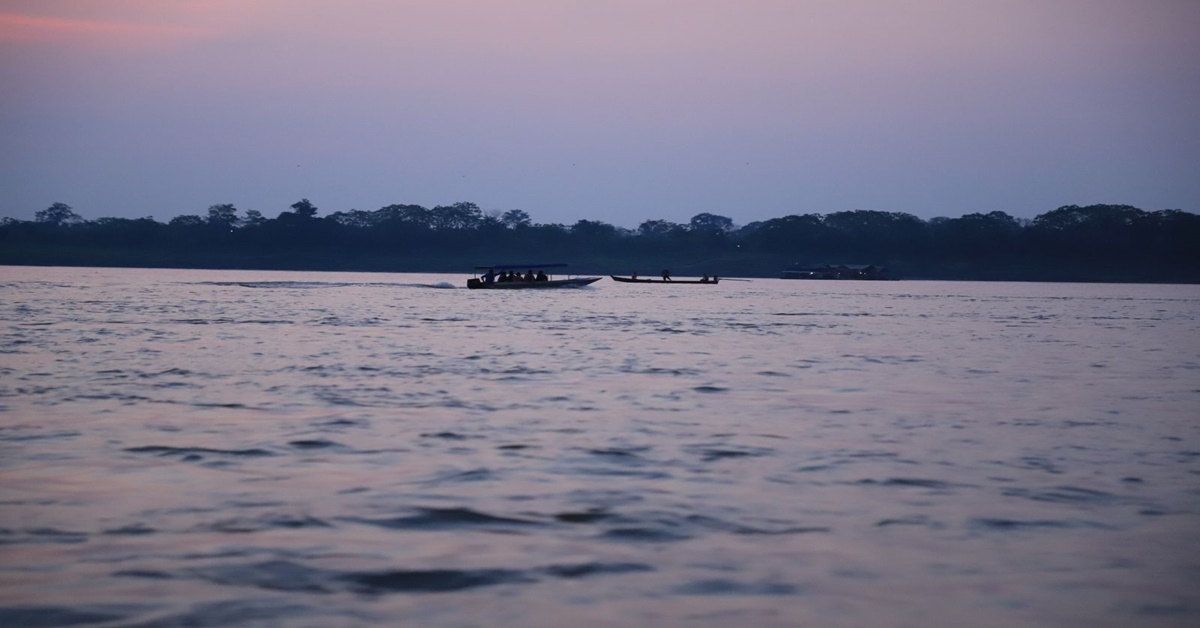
(1071, 243)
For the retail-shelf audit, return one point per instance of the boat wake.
(278, 284)
(310, 285)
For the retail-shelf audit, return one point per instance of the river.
(213, 448)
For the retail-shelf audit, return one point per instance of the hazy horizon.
(616, 111)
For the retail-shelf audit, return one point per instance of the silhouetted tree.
(1172, 234)
(253, 218)
(58, 214)
(187, 220)
(355, 218)
(863, 234)
(593, 230)
(414, 215)
(659, 228)
(976, 236)
(456, 216)
(796, 237)
(1093, 217)
(711, 222)
(1094, 232)
(125, 232)
(223, 217)
(515, 219)
(304, 208)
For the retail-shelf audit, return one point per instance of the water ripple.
(444, 518)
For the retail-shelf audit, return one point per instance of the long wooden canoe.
(710, 282)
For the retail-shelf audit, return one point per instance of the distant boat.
(495, 278)
(706, 281)
(860, 272)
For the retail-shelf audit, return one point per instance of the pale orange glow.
(27, 28)
(127, 24)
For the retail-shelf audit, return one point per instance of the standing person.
(666, 274)
(489, 276)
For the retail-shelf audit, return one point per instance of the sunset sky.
(610, 110)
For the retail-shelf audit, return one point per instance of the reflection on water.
(225, 447)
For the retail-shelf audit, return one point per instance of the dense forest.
(1071, 243)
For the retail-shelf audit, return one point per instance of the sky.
(620, 111)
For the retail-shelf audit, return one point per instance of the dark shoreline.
(1097, 243)
(585, 267)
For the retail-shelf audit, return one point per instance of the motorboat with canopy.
(525, 277)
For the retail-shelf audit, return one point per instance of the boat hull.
(478, 284)
(710, 282)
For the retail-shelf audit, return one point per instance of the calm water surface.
(212, 448)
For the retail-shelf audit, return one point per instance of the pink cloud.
(37, 29)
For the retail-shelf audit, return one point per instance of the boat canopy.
(518, 266)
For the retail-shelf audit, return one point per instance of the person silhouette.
(666, 275)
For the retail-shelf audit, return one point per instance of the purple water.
(204, 448)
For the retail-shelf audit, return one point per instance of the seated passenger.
(541, 276)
